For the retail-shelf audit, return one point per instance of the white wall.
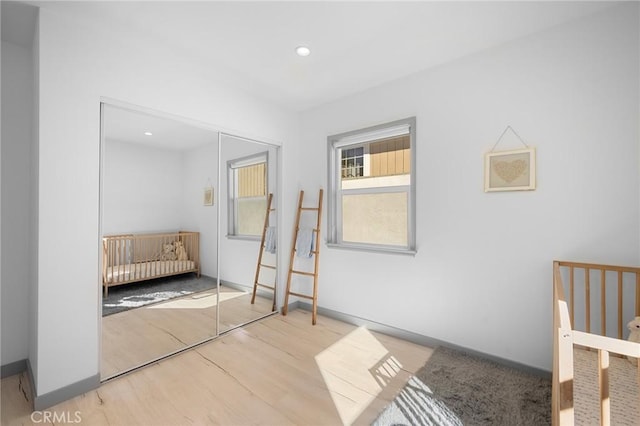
(149, 189)
(17, 115)
(79, 65)
(142, 189)
(482, 275)
(201, 170)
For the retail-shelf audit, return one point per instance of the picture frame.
(513, 170)
(208, 196)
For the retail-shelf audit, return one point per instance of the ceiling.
(130, 126)
(354, 45)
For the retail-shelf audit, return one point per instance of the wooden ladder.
(257, 284)
(315, 252)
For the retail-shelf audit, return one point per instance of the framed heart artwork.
(510, 170)
(208, 196)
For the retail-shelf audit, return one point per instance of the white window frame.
(232, 180)
(364, 136)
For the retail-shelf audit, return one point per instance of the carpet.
(142, 293)
(454, 388)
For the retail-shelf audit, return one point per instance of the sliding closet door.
(159, 237)
(248, 239)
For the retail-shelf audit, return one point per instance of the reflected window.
(248, 193)
(353, 162)
(372, 187)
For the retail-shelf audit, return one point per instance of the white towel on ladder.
(270, 239)
(304, 242)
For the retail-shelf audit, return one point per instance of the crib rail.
(565, 335)
(129, 258)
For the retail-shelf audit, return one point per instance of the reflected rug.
(454, 388)
(135, 295)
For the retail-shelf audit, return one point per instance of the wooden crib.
(137, 257)
(593, 382)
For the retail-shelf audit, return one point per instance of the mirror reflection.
(248, 251)
(159, 238)
(189, 236)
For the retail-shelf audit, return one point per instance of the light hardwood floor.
(137, 336)
(277, 371)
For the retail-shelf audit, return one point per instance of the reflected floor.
(137, 336)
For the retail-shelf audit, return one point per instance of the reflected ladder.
(257, 284)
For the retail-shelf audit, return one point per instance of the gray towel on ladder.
(304, 242)
(270, 239)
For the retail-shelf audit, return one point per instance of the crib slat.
(116, 256)
(572, 295)
(587, 299)
(603, 384)
(637, 294)
(147, 265)
(619, 304)
(116, 261)
(116, 266)
(123, 258)
(603, 303)
(121, 255)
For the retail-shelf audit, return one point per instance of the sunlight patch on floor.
(198, 302)
(356, 369)
(416, 405)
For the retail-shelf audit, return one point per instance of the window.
(372, 188)
(248, 195)
(353, 162)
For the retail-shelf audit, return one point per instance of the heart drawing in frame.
(510, 170)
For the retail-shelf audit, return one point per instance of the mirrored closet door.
(189, 235)
(159, 238)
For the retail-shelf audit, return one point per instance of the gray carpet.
(143, 293)
(454, 388)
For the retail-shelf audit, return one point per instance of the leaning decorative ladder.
(257, 284)
(315, 252)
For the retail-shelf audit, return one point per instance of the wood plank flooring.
(277, 371)
(137, 336)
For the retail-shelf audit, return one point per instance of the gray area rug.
(454, 388)
(143, 293)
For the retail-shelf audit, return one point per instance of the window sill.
(373, 249)
(243, 237)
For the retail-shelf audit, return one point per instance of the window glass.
(371, 188)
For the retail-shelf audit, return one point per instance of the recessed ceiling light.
(303, 51)
(148, 134)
